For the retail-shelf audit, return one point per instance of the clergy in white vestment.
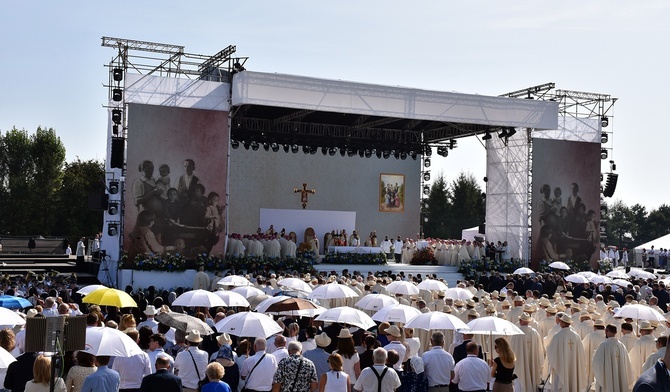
(547, 323)
(628, 338)
(565, 359)
(529, 351)
(642, 349)
(611, 365)
(591, 343)
(658, 354)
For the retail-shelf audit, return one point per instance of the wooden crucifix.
(303, 194)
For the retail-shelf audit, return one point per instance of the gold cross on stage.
(303, 194)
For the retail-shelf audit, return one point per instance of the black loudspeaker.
(610, 185)
(482, 228)
(41, 333)
(118, 147)
(97, 201)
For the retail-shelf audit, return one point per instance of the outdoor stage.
(171, 280)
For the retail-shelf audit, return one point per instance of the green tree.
(17, 179)
(657, 223)
(435, 210)
(48, 155)
(79, 180)
(621, 228)
(467, 205)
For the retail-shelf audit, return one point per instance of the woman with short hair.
(42, 377)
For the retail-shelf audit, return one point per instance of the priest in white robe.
(529, 351)
(591, 343)
(611, 365)
(565, 359)
(661, 344)
(642, 349)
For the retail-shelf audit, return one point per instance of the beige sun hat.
(566, 319)
(224, 338)
(345, 333)
(194, 336)
(322, 340)
(393, 331)
(525, 317)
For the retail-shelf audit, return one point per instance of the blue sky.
(52, 61)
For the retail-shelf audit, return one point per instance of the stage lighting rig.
(442, 151)
(604, 121)
(274, 147)
(113, 188)
(487, 136)
(510, 132)
(117, 74)
(116, 116)
(113, 208)
(604, 138)
(426, 190)
(426, 175)
(426, 162)
(112, 229)
(603, 154)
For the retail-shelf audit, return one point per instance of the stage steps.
(449, 273)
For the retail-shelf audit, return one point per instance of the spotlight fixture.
(305, 149)
(117, 95)
(117, 73)
(426, 176)
(428, 151)
(266, 146)
(113, 208)
(452, 144)
(603, 153)
(238, 67)
(442, 151)
(426, 190)
(113, 187)
(313, 150)
(343, 151)
(361, 153)
(403, 155)
(274, 147)
(413, 154)
(503, 133)
(378, 153)
(604, 121)
(286, 148)
(510, 132)
(324, 150)
(396, 154)
(234, 144)
(112, 229)
(386, 154)
(426, 162)
(487, 136)
(612, 166)
(604, 138)
(116, 116)
(332, 151)
(295, 148)
(368, 153)
(254, 145)
(115, 129)
(351, 152)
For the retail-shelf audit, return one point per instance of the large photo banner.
(566, 201)
(175, 181)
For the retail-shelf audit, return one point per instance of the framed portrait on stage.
(391, 192)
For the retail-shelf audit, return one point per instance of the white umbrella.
(523, 271)
(5, 358)
(621, 282)
(432, 285)
(296, 284)
(396, 314)
(251, 324)
(247, 291)
(588, 274)
(345, 314)
(110, 341)
(638, 273)
(332, 291)
(234, 280)
(559, 265)
(436, 320)
(375, 302)
(598, 279)
(262, 307)
(199, 297)
(232, 298)
(402, 287)
(639, 312)
(90, 288)
(621, 274)
(491, 325)
(10, 318)
(576, 278)
(458, 293)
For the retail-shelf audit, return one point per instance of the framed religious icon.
(391, 192)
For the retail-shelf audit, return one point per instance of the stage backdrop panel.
(566, 200)
(298, 220)
(188, 151)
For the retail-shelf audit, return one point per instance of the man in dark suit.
(20, 372)
(162, 380)
(656, 378)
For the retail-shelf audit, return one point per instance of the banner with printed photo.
(391, 192)
(175, 180)
(566, 201)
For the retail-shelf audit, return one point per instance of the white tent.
(658, 243)
(469, 234)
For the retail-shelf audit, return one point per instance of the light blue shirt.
(103, 380)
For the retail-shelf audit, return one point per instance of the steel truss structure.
(583, 116)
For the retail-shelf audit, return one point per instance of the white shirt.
(183, 365)
(280, 353)
(367, 382)
(159, 352)
(438, 365)
(397, 247)
(471, 374)
(132, 370)
(149, 322)
(400, 349)
(261, 378)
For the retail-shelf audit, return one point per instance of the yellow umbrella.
(110, 297)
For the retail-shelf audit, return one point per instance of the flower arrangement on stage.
(423, 256)
(605, 266)
(160, 262)
(355, 258)
(211, 262)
